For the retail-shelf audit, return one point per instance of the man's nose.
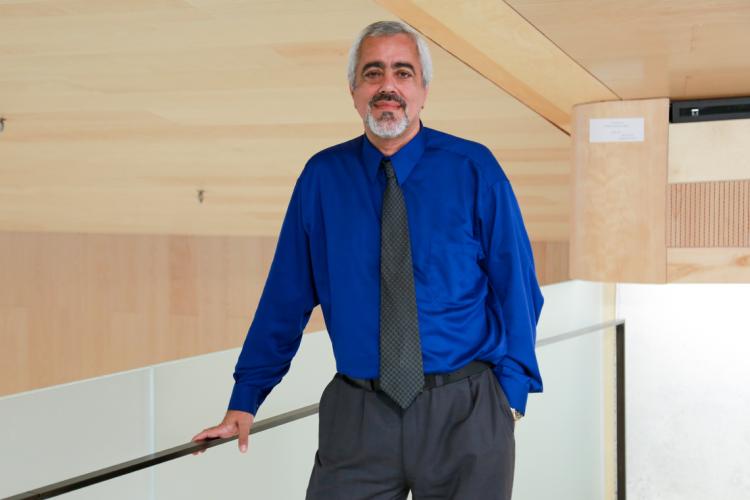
(388, 84)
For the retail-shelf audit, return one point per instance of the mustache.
(383, 96)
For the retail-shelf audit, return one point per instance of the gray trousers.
(455, 442)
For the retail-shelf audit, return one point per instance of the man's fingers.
(220, 431)
(200, 437)
(207, 433)
(244, 430)
(235, 422)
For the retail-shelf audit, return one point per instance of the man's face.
(389, 92)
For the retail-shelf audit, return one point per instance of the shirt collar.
(403, 161)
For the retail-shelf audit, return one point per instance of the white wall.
(688, 402)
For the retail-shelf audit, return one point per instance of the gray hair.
(390, 28)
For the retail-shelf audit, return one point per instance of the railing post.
(621, 457)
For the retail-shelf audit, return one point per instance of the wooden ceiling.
(195, 116)
(681, 49)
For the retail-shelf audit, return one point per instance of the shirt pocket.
(454, 274)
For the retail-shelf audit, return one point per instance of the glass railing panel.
(278, 462)
(277, 465)
(571, 305)
(135, 485)
(192, 394)
(63, 431)
(565, 447)
(52, 434)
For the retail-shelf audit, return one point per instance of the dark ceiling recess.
(706, 110)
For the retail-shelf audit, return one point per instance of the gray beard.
(387, 127)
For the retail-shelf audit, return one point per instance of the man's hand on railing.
(235, 422)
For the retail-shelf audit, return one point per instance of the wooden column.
(619, 195)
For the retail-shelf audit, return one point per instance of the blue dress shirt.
(476, 287)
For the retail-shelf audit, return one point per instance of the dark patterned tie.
(401, 373)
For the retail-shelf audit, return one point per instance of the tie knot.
(388, 167)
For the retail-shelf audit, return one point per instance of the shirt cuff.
(516, 388)
(245, 398)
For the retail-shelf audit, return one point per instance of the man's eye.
(372, 74)
(404, 74)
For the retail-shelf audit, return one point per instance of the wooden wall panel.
(619, 197)
(551, 261)
(708, 265)
(708, 207)
(709, 151)
(709, 214)
(74, 306)
(114, 127)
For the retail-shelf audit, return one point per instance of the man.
(412, 242)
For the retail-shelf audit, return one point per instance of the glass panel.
(136, 485)
(277, 465)
(53, 434)
(560, 444)
(572, 305)
(56, 433)
(193, 394)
